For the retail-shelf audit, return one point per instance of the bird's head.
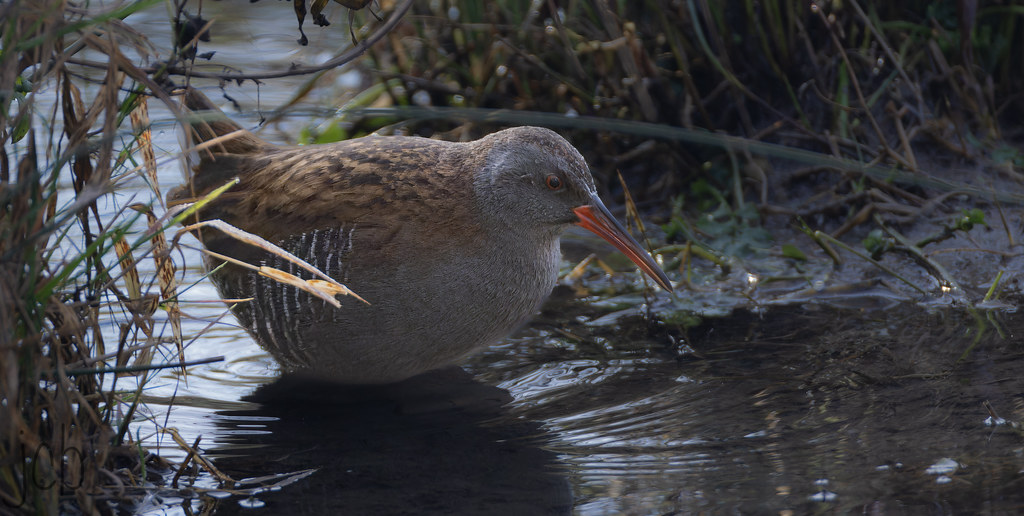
(536, 181)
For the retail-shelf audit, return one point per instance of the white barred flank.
(277, 310)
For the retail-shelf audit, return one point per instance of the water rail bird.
(452, 245)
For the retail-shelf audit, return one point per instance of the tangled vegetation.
(754, 126)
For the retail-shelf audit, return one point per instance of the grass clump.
(82, 323)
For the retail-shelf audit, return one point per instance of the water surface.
(793, 410)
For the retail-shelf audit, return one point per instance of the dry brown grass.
(68, 393)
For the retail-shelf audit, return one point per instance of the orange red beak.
(597, 218)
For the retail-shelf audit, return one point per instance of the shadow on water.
(790, 411)
(424, 446)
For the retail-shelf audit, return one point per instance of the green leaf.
(969, 219)
(21, 128)
(333, 133)
(877, 243)
(794, 252)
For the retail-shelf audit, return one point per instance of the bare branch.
(357, 50)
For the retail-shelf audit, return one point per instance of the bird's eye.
(553, 182)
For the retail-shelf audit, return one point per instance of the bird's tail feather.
(215, 148)
(208, 126)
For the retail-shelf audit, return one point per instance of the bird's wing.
(284, 191)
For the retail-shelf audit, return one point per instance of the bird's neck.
(530, 260)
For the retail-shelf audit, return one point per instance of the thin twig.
(353, 52)
(137, 369)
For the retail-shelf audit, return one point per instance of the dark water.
(789, 411)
